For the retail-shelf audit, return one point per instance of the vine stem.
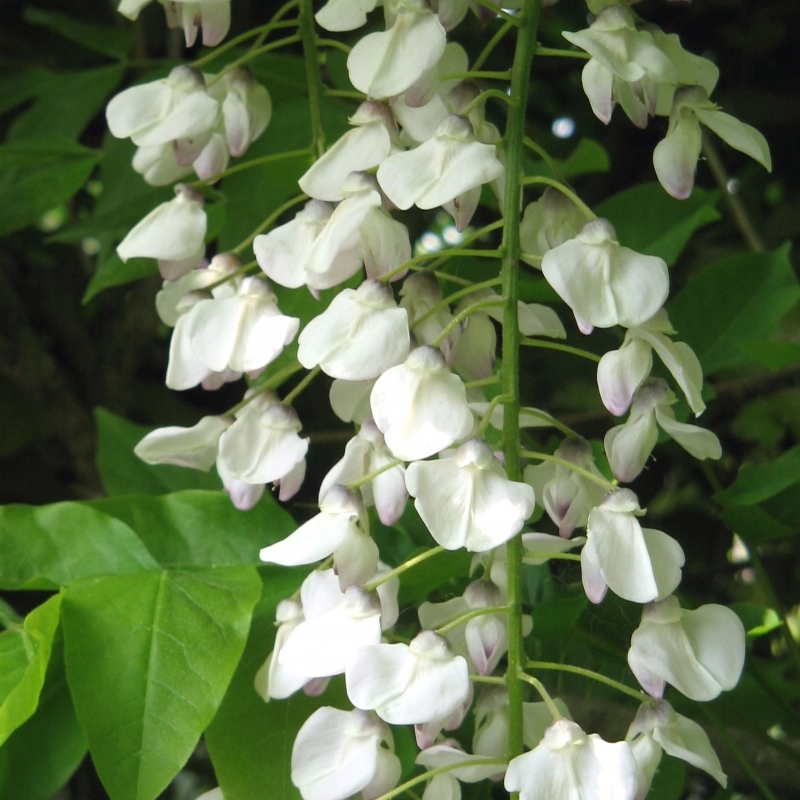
(482, 98)
(541, 179)
(313, 78)
(528, 19)
(559, 53)
(600, 481)
(406, 565)
(591, 674)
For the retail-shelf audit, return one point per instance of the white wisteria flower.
(568, 764)
(700, 652)
(566, 495)
(171, 109)
(364, 454)
(420, 406)
(449, 164)
(173, 233)
(362, 148)
(486, 636)
(246, 110)
(629, 446)
(638, 564)
(421, 296)
(359, 336)
(344, 15)
(194, 447)
(675, 156)
(350, 400)
(339, 531)
(621, 372)
(408, 684)
(339, 753)
(658, 727)
(384, 64)
(552, 220)
(603, 283)
(448, 753)
(541, 547)
(466, 500)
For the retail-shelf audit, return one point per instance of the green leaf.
(669, 780)
(754, 524)
(553, 618)
(114, 272)
(774, 355)
(588, 157)
(122, 472)
(283, 75)
(149, 658)
(37, 175)
(21, 85)
(112, 42)
(46, 547)
(68, 104)
(735, 302)
(250, 741)
(186, 528)
(39, 757)
(24, 655)
(649, 221)
(757, 620)
(757, 483)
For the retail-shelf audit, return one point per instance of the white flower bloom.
(620, 372)
(173, 233)
(334, 531)
(359, 336)
(350, 400)
(700, 652)
(344, 15)
(442, 787)
(420, 406)
(474, 352)
(176, 107)
(214, 794)
(467, 500)
(419, 294)
(429, 85)
(657, 726)
(565, 495)
(535, 319)
(243, 495)
(244, 332)
(491, 723)
(194, 447)
(452, 162)
(273, 680)
(385, 244)
(448, 753)
(426, 733)
(537, 718)
(541, 546)
(385, 64)
(338, 753)
(629, 446)
(322, 646)
(408, 684)
(552, 220)
(605, 284)
(360, 149)
(486, 636)
(246, 110)
(366, 453)
(638, 564)
(157, 164)
(263, 444)
(214, 16)
(675, 157)
(571, 765)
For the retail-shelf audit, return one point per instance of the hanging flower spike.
(637, 564)
(467, 500)
(446, 166)
(569, 765)
(603, 283)
(675, 157)
(700, 652)
(420, 406)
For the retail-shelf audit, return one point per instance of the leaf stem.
(270, 383)
(482, 98)
(513, 20)
(457, 296)
(588, 673)
(243, 270)
(395, 462)
(486, 418)
(335, 44)
(545, 156)
(300, 386)
(477, 73)
(560, 53)
(473, 762)
(491, 44)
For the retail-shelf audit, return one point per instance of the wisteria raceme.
(414, 367)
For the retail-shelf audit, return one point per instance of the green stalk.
(313, 78)
(514, 142)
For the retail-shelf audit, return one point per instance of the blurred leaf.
(22, 85)
(649, 221)
(588, 157)
(757, 620)
(112, 42)
(754, 524)
(67, 105)
(200, 528)
(735, 302)
(553, 618)
(122, 472)
(37, 175)
(440, 572)
(39, 757)
(114, 272)
(22, 422)
(774, 355)
(669, 780)
(149, 658)
(24, 655)
(250, 741)
(765, 420)
(757, 483)
(283, 75)
(45, 547)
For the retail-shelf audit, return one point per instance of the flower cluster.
(411, 368)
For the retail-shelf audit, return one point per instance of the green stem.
(335, 44)
(559, 53)
(462, 619)
(347, 93)
(482, 98)
(313, 78)
(541, 179)
(599, 480)
(514, 143)
(532, 557)
(588, 673)
(482, 382)
(440, 258)
(545, 695)
(564, 348)
(256, 162)
(406, 565)
(251, 54)
(457, 296)
(300, 386)
(473, 762)
(493, 403)
(531, 257)
(495, 681)
(462, 315)
(276, 214)
(551, 420)
(243, 270)
(477, 73)
(545, 156)
(499, 11)
(272, 382)
(374, 474)
(491, 44)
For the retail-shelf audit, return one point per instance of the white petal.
(344, 15)
(698, 442)
(184, 369)
(539, 320)
(675, 156)
(445, 755)
(350, 400)
(738, 135)
(194, 447)
(311, 542)
(629, 446)
(620, 372)
(597, 85)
